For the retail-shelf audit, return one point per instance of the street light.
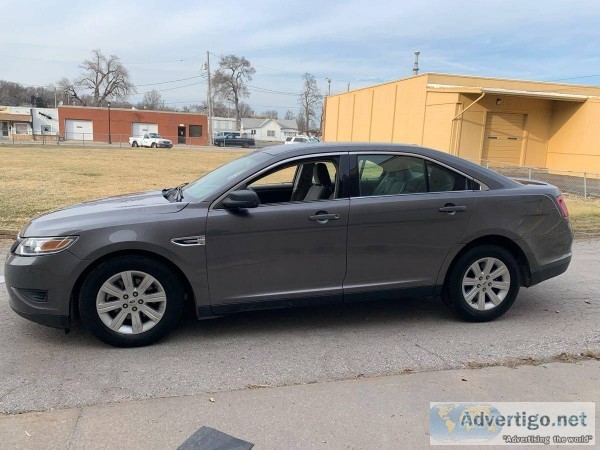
(328, 86)
(109, 136)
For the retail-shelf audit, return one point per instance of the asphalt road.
(42, 368)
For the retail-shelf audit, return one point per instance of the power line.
(170, 81)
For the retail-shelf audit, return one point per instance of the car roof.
(492, 179)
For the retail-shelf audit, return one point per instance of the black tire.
(221, 144)
(135, 144)
(153, 145)
(104, 271)
(245, 145)
(452, 294)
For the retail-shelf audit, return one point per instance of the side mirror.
(241, 199)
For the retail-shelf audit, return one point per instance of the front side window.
(301, 181)
(403, 174)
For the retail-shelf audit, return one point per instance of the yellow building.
(548, 125)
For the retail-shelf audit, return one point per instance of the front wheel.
(131, 301)
(153, 145)
(483, 284)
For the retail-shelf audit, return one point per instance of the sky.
(359, 43)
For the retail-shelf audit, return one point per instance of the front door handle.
(324, 217)
(451, 209)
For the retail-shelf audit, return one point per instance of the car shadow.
(314, 318)
(376, 315)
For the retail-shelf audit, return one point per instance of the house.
(527, 123)
(223, 124)
(15, 123)
(269, 129)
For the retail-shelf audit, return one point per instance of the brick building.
(92, 124)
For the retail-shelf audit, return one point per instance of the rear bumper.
(550, 271)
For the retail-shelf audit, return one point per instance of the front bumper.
(51, 277)
(164, 145)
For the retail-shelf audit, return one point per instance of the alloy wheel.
(131, 302)
(486, 283)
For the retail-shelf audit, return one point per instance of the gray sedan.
(291, 226)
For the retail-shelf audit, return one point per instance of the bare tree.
(302, 125)
(69, 92)
(103, 78)
(310, 100)
(152, 101)
(289, 115)
(230, 82)
(270, 114)
(245, 110)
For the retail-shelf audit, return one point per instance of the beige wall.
(575, 137)
(559, 134)
(392, 112)
(440, 109)
(538, 117)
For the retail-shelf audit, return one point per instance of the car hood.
(112, 211)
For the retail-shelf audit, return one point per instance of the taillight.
(562, 205)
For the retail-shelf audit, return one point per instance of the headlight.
(44, 245)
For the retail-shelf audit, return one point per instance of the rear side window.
(442, 179)
(402, 174)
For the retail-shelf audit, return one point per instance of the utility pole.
(328, 86)
(209, 100)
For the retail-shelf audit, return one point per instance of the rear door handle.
(451, 209)
(324, 218)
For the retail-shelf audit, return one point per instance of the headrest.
(321, 174)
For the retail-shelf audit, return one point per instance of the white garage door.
(82, 130)
(139, 128)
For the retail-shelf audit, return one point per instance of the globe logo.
(456, 422)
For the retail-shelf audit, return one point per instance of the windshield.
(155, 135)
(219, 178)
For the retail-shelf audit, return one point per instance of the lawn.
(38, 179)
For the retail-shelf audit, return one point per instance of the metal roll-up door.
(81, 130)
(138, 128)
(503, 139)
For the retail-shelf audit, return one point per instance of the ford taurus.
(291, 226)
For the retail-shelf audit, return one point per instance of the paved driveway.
(42, 368)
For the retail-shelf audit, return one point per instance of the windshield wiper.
(177, 190)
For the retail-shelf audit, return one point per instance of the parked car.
(291, 226)
(150, 140)
(297, 140)
(234, 139)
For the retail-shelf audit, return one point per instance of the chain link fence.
(586, 184)
(101, 140)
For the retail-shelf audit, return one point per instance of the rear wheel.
(131, 301)
(483, 284)
(135, 144)
(245, 145)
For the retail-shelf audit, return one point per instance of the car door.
(279, 254)
(403, 222)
